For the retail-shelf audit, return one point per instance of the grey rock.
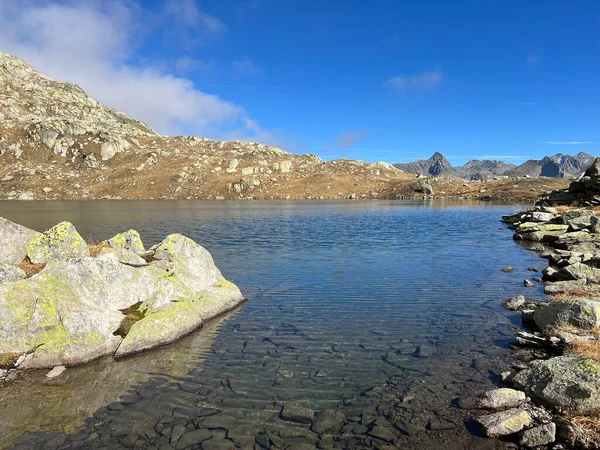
(578, 271)
(504, 423)
(60, 241)
(14, 240)
(515, 303)
(540, 435)
(569, 382)
(328, 419)
(528, 283)
(294, 413)
(217, 444)
(507, 269)
(561, 287)
(538, 216)
(130, 240)
(68, 313)
(580, 313)
(595, 224)
(495, 399)
(10, 273)
(194, 437)
(56, 371)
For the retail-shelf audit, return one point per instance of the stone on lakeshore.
(540, 435)
(538, 216)
(578, 271)
(504, 423)
(60, 241)
(570, 382)
(14, 240)
(580, 313)
(495, 399)
(515, 303)
(328, 419)
(528, 283)
(56, 371)
(10, 273)
(78, 309)
(507, 269)
(299, 414)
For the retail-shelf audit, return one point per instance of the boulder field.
(70, 305)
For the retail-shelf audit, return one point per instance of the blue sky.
(381, 80)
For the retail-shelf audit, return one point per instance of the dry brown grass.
(588, 425)
(30, 268)
(588, 348)
(96, 248)
(563, 208)
(8, 359)
(574, 293)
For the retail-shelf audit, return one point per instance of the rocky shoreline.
(65, 302)
(556, 397)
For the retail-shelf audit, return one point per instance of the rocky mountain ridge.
(556, 166)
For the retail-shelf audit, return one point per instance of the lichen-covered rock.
(130, 240)
(578, 271)
(569, 382)
(74, 310)
(580, 313)
(541, 435)
(10, 273)
(60, 241)
(14, 240)
(504, 423)
(126, 256)
(494, 399)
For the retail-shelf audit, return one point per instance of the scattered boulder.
(569, 382)
(496, 399)
(515, 303)
(580, 313)
(528, 283)
(541, 435)
(60, 241)
(14, 240)
(504, 423)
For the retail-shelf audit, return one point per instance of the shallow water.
(385, 311)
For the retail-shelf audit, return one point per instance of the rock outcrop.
(123, 301)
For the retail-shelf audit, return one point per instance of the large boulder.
(10, 273)
(579, 312)
(569, 382)
(14, 240)
(60, 241)
(578, 271)
(80, 308)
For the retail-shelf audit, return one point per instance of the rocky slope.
(57, 142)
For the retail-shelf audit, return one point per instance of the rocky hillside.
(484, 169)
(58, 142)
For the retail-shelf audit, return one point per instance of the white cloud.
(567, 142)
(245, 67)
(89, 43)
(188, 13)
(425, 80)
